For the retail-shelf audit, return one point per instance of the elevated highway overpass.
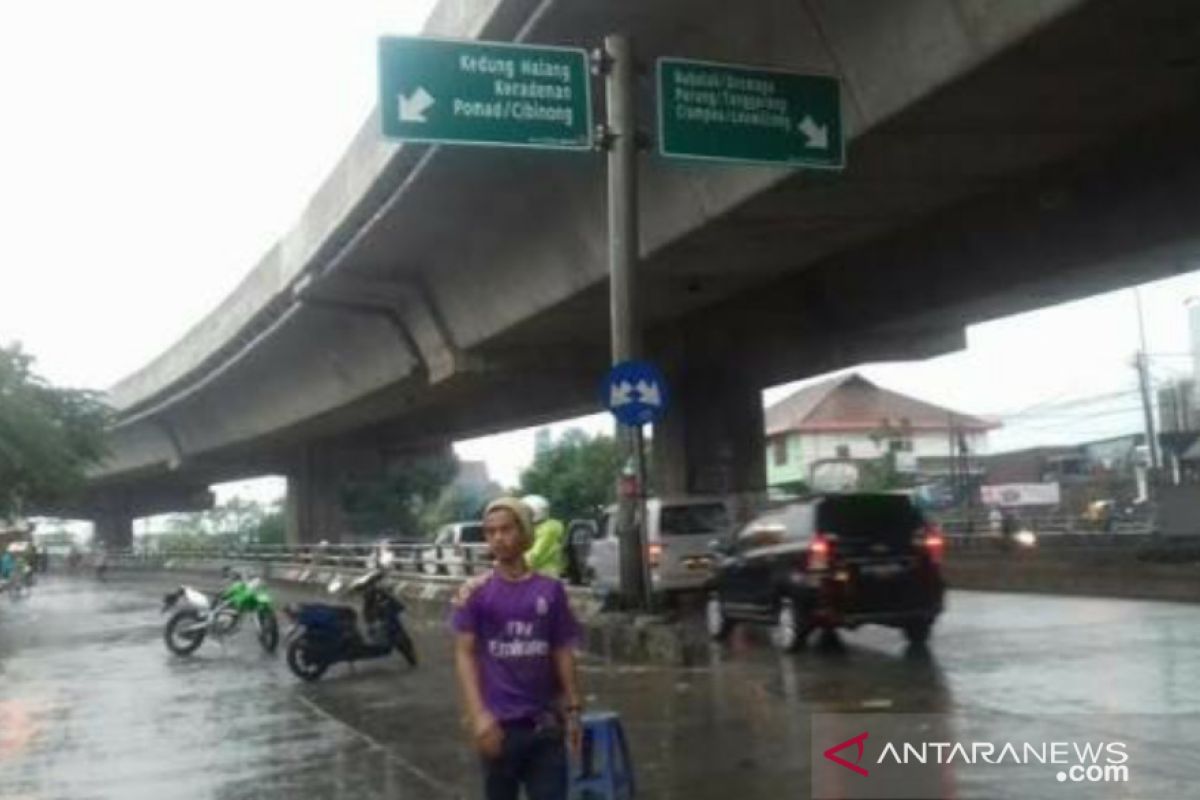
(1001, 156)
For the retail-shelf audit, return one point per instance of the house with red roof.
(851, 418)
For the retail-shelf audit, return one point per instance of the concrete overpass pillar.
(113, 530)
(712, 440)
(313, 509)
(113, 509)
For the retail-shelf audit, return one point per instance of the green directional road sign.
(438, 90)
(721, 112)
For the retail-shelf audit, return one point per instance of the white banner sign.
(1021, 494)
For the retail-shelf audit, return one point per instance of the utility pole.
(1143, 368)
(621, 138)
(952, 462)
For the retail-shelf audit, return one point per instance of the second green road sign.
(439, 90)
(721, 112)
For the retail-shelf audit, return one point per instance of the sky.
(151, 152)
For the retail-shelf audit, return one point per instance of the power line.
(1049, 415)
(1034, 410)
(1046, 424)
(1039, 409)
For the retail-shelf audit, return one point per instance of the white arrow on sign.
(414, 106)
(649, 393)
(817, 136)
(619, 394)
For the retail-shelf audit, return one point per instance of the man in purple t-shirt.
(516, 667)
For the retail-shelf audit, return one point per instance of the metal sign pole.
(641, 518)
(622, 257)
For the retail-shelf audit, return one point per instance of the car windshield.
(694, 520)
(472, 534)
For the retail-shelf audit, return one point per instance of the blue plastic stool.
(605, 771)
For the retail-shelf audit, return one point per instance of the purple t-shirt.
(517, 627)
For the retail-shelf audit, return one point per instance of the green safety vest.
(547, 555)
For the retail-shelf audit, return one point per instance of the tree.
(49, 437)
(881, 474)
(237, 521)
(271, 528)
(459, 502)
(577, 474)
(401, 499)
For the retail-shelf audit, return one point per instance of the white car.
(679, 535)
(456, 546)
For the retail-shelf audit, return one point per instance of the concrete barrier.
(1086, 573)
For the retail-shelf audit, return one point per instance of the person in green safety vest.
(547, 555)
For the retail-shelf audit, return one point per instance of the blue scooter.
(326, 634)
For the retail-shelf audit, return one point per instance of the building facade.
(850, 418)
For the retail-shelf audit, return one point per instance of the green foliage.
(401, 500)
(235, 522)
(271, 528)
(457, 503)
(577, 474)
(48, 437)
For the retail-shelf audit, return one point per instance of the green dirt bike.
(219, 614)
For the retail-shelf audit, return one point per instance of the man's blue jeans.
(534, 757)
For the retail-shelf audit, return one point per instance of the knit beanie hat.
(519, 510)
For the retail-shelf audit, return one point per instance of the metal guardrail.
(1053, 540)
(1050, 524)
(418, 558)
(428, 560)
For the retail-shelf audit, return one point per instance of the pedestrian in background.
(8, 565)
(548, 554)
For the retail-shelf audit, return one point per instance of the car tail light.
(654, 554)
(934, 543)
(820, 552)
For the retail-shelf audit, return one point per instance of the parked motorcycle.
(325, 634)
(219, 614)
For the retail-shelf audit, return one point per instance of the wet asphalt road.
(93, 706)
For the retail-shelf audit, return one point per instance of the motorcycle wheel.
(406, 648)
(179, 642)
(268, 630)
(301, 662)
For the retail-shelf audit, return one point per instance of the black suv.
(835, 561)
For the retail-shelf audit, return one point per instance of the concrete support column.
(113, 531)
(313, 509)
(712, 440)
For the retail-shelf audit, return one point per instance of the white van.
(679, 533)
(455, 544)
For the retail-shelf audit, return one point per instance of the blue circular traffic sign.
(635, 392)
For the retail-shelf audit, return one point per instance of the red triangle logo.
(857, 741)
